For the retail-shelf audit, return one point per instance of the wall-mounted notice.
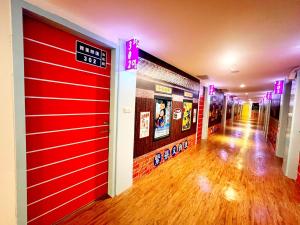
(132, 54)
(163, 89)
(187, 115)
(144, 124)
(162, 119)
(194, 115)
(188, 94)
(177, 114)
(269, 95)
(88, 54)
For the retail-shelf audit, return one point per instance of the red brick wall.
(200, 117)
(272, 133)
(144, 164)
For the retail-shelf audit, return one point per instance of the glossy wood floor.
(233, 178)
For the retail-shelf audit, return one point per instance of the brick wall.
(272, 133)
(144, 164)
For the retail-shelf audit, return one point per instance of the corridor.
(232, 178)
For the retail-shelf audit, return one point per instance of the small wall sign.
(132, 54)
(163, 89)
(269, 95)
(88, 54)
(167, 154)
(157, 159)
(185, 144)
(194, 115)
(180, 147)
(144, 124)
(278, 87)
(188, 94)
(177, 114)
(174, 150)
(211, 90)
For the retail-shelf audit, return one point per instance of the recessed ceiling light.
(246, 93)
(242, 85)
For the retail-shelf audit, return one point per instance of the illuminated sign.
(132, 54)
(88, 54)
(188, 94)
(269, 95)
(163, 89)
(278, 87)
(211, 90)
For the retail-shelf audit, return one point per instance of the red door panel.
(67, 114)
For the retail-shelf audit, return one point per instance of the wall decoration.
(144, 124)
(278, 87)
(88, 54)
(215, 108)
(211, 90)
(269, 95)
(167, 154)
(187, 115)
(157, 159)
(185, 144)
(163, 89)
(177, 114)
(132, 54)
(174, 150)
(194, 115)
(162, 117)
(180, 147)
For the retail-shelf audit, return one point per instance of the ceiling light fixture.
(242, 85)
(246, 93)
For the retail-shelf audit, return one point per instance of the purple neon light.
(132, 54)
(269, 95)
(278, 87)
(211, 89)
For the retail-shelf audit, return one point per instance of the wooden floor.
(233, 178)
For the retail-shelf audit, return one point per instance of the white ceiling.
(197, 36)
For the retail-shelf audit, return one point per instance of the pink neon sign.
(132, 54)
(269, 95)
(278, 87)
(211, 90)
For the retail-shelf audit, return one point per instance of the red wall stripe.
(50, 89)
(54, 106)
(50, 72)
(49, 123)
(67, 155)
(37, 159)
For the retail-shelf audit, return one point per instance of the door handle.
(105, 123)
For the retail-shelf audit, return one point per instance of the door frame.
(17, 9)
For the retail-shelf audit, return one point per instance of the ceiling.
(260, 39)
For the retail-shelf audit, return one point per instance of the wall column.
(283, 119)
(293, 150)
(8, 193)
(205, 114)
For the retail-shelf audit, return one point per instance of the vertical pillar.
(283, 119)
(8, 193)
(267, 118)
(293, 149)
(125, 125)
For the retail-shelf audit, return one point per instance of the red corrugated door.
(67, 114)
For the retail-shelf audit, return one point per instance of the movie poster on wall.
(215, 108)
(187, 115)
(162, 117)
(144, 124)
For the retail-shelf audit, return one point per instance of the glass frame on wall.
(162, 117)
(187, 115)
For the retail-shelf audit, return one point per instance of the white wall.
(7, 146)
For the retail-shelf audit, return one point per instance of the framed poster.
(162, 117)
(187, 115)
(144, 124)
